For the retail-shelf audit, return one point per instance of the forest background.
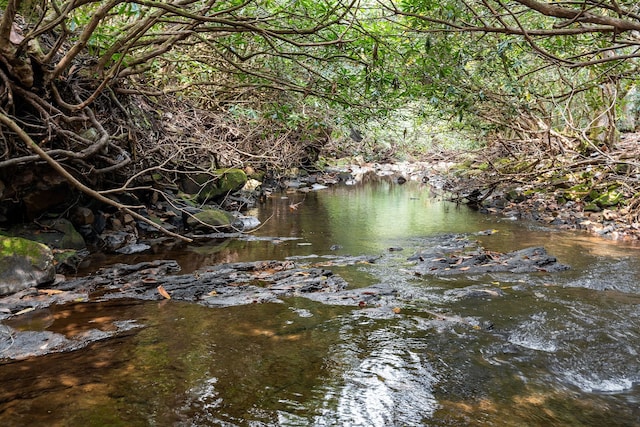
(113, 96)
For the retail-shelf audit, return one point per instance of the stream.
(495, 349)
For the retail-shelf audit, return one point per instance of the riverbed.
(499, 349)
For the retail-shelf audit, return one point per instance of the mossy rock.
(210, 219)
(515, 195)
(231, 180)
(60, 234)
(577, 192)
(208, 186)
(592, 207)
(23, 264)
(69, 259)
(562, 183)
(71, 239)
(609, 198)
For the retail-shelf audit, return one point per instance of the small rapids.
(385, 380)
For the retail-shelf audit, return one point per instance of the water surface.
(539, 350)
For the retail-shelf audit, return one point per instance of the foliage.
(524, 71)
(531, 69)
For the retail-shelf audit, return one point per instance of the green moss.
(231, 179)
(17, 246)
(228, 181)
(577, 192)
(610, 198)
(210, 218)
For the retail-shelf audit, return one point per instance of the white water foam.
(384, 389)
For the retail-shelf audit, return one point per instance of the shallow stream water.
(537, 349)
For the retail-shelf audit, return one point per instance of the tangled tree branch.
(77, 184)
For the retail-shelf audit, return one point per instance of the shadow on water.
(490, 349)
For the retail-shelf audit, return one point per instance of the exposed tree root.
(77, 184)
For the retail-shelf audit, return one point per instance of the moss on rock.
(24, 263)
(210, 218)
(208, 186)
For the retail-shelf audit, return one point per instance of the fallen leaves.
(50, 292)
(294, 206)
(163, 292)
(24, 310)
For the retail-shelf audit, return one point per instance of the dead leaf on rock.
(163, 292)
(25, 310)
(49, 292)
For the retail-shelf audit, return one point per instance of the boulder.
(59, 234)
(111, 241)
(210, 218)
(23, 264)
(70, 238)
(208, 186)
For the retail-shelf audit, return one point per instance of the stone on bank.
(23, 264)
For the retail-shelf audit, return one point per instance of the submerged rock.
(133, 248)
(244, 222)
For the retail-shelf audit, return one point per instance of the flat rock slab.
(222, 285)
(472, 259)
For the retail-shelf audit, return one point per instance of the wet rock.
(484, 261)
(227, 284)
(69, 260)
(245, 223)
(114, 240)
(19, 345)
(210, 219)
(70, 238)
(133, 249)
(439, 246)
(23, 264)
(476, 292)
